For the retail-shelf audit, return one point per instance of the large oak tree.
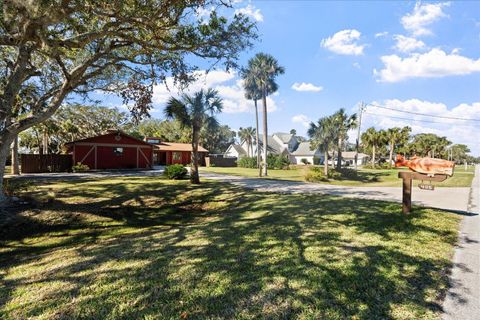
(52, 51)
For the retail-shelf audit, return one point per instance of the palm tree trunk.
(333, 158)
(339, 156)
(265, 131)
(194, 178)
(257, 137)
(391, 154)
(373, 156)
(15, 165)
(325, 161)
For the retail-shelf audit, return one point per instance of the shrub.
(80, 167)
(13, 187)
(317, 160)
(247, 162)
(304, 161)
(315, 174)
(348, 173)
(383, 165)
(277, 162)
(175, 172)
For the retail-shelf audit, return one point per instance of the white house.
(349, 158)
(279, 143)
(235, 151)
(303, 151)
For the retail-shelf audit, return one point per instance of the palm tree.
(247, 135)
(254, 92)
(265, 69)
(342, 123)
(194, 112)
(396, 136)
(321, 136)
(373, 139)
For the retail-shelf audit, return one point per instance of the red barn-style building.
(167, 153)
(113, 150)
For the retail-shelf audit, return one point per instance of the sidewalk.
(463, 300)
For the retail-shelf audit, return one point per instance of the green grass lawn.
(366, 177)
(148, 248)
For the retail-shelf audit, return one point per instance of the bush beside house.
(175, 172)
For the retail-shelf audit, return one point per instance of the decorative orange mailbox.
(425, 169)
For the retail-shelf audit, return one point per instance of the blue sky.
(421, 57)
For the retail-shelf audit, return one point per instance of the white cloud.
(457, 131)
(233, 94)
(432, 64)
(202, 12)
(356, 65)
(422, 16)
(302, 119)
(306, 87)
(381, 34)
(344, 42)
(251, 11)
(407, 44)
(234, 99)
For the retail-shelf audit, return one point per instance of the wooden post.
(407, 177)
(406, 193)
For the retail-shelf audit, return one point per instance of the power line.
(421, 114)
(410, 119)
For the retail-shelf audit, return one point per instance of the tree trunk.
(5, 142)
(257, 137)
(391, 155)
(373, 156)
(194, 178)
(339, 156)
(333, 158)
(45, 142)
(325, 161)
(15, 164)
(265, 132)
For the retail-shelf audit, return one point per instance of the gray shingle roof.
(273, 145)
(239, 149)
(284, 137)
(351, 155)
(303, 149)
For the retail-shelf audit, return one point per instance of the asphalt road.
(454, 199)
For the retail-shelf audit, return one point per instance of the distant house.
(235, 151)
(113, 150)
(279, 143)
(303, 151)
(349, 158)
(167, 153)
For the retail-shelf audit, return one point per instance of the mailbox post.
(407, 178)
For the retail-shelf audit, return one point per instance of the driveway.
(157, 170)
(454, 199)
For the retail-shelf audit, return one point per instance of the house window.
(118, 151)
(177, 156)
(153, 141)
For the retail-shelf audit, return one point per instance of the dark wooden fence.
(220, 162)
(35, 163)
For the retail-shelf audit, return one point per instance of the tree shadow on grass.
(219, 251)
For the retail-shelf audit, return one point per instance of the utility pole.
(361, 108)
